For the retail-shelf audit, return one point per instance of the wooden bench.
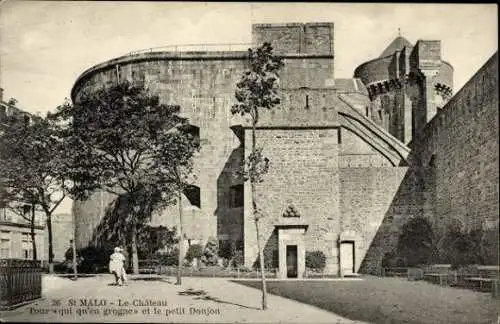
(437, 273)
(149, 266)
(395, 272)
(487, 277)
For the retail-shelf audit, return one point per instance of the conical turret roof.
(397, 45)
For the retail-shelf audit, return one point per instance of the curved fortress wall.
(203, 84)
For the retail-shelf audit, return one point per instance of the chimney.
(1, 94)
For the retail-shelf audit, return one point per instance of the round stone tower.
(407, 84)
(202, 84)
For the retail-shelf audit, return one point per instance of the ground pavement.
(155, 299)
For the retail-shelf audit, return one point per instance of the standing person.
(124, 268)
(116, 265)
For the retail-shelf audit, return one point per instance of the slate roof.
(397, 45)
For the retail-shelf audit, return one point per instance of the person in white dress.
(117, 266)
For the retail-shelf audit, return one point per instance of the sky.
(46, 45)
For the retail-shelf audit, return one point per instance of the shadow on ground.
(149, 278)
(72, 276)
(203, 295)
(389, 300)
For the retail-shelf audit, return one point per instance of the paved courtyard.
(198, 300)
(391, 300)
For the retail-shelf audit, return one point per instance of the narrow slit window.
(236, 196)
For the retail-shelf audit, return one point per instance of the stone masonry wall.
(374, 203)
(462, 143)
(303, 172)
(375, 199)
(62, 234)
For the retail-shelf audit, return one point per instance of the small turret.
(406, 84)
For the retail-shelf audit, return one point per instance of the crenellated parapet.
(444, 91)
(385, 86)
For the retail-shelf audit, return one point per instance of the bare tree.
(257, 90)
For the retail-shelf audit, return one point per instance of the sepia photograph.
(249, 162)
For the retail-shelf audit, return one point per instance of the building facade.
(15, 229)
(342, 177)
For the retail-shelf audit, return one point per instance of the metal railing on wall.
(195, 48)
(20, 281)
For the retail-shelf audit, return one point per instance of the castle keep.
(352, 160)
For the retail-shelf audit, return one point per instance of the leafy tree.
(176, 167)
(315, 260)
(130, 145)
(194, 251)
(271, 260)
(416, 241)
(257, 90)
(12, 102)
(169, 257)
(151, 239)
(490, 245)
(211, 252)
(237, 260)
(227, 249)
(33, 169)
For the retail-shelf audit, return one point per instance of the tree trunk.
(73, 246)
(262, 274)
(32, 231)
(75, 260)
(135, 257)
(256, 219)
(181, 241)
(51, 249)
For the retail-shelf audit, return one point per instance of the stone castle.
(352, 160)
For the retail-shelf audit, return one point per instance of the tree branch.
(56, 204)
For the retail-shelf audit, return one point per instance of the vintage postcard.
(192, 162)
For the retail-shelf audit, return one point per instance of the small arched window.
(236, 196)
(192, 193)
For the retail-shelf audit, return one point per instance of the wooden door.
(291, 261)
(347, 257)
